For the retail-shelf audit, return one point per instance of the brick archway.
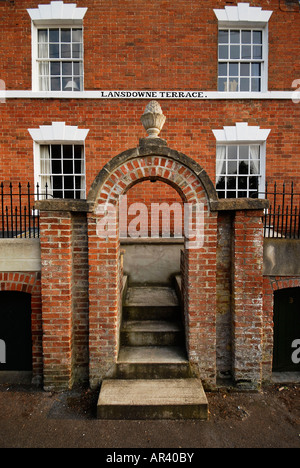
(105, 275)
(272, 284)
(29, 283)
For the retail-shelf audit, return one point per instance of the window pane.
(66, 35)
(67, 68)
(233, 84)
(223, 52)
(55, 84)
(77, 35)
(43, 51)
(78, 166)
(223, 37)
(56, 151)
(233, 69)
(256, 69)
(232, 152)
(232, 167)
(231, 183)
(77, 50)
(234, 37)
(67, 83)
(234, 52)
(222, 84)
(77, 68)
(257, 37)
(78, 153)
(222, 69)
(57, 182)
(44, 68)
(245, 84)
(68, 151)
(246, 53)
(221, 183)
(244, 168)
(69, 182)
(242, 183)
(43, 35)
(55, 68)
(68, 166)
(56, 166)
(257, 52)
(66, 51)
(246, 37)
(245, 69)
(54, 50)
(244, 152)
(253, 183)
(77, 84)
(255, 167)
(54, 35)
(255, 84)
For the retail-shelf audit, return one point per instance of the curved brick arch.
(105, 270)
(186, 176)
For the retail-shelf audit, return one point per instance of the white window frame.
(56, 134)
(244, 17)
(244, 135)
(55, 15)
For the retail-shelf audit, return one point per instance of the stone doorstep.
(152, 399)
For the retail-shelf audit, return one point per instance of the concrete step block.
(152, 399)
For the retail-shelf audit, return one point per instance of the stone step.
(146, 370)
(151, 333)
(151, 303)
(152, 354)
(152, 362)
(151, 296)
(152, 399)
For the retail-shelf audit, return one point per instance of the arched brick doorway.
(152, 162)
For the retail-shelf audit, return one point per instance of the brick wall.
(120, 37)
(115, 126)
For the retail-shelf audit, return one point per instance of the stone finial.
(153, 119)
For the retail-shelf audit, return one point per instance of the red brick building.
(76, 79)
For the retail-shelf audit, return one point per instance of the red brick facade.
(76, 305)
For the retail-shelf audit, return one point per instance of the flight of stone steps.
(153, 378)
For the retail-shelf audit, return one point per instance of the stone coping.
(83, 206)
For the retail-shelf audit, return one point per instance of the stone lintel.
(239, 204)
(79, 206)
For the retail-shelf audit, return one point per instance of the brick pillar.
(56, 255)
(247, 298)
(200, 303)
(104, 302)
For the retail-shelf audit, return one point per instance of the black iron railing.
(18, 217)
(282, 219)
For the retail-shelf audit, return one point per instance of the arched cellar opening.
(15, 332)
(286, 352)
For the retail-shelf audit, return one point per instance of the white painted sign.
(157, 95)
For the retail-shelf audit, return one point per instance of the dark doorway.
(286, 329)
(15, 331)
